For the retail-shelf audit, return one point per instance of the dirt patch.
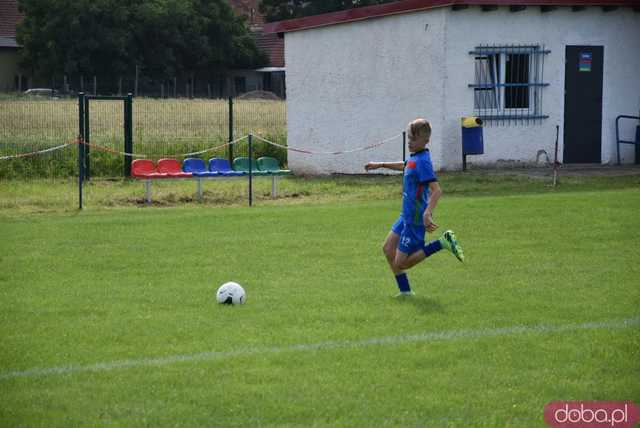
(259, 95)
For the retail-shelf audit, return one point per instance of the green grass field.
(108, 316)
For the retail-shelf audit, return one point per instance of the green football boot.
(449, 241)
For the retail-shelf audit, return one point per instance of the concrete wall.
(350, 85)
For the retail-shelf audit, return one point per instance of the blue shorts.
(411, 236)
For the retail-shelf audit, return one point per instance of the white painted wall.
(618, 31)
(350, 85)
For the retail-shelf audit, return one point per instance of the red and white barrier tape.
(311, 152)
(214, 148)
(116, 152)
(39, 152)
(136, 155)
(106, 149)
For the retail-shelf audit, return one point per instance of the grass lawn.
(108, 316)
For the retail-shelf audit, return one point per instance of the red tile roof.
(9, 18)
(405, 6)
(271, 44)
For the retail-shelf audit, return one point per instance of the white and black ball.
(231, 293)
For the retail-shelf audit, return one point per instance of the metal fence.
(233, 84)
(32, 132)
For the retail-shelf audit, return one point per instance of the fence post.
(80, 146)
(87, 139)
(404, 146)
(230, 151)
(250, 170)
(128, 133)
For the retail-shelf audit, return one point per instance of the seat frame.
(148, 190)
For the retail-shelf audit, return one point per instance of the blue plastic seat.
(197, 167)
(222, 167)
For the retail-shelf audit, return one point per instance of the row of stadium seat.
(196, 167)
(198, 170)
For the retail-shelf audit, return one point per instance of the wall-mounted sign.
(584, 63)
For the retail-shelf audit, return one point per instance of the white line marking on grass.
(436, 336)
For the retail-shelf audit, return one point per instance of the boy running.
(405, 246)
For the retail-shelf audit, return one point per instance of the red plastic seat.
(144, 168)
(172, 168)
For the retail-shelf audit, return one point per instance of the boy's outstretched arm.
(435, 191)
(398, 166)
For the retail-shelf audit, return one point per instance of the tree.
(160, 38)
(276, 10)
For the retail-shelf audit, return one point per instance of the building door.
(240, 84)
(583, 104)
(266, 81)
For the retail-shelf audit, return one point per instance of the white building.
(359, 76)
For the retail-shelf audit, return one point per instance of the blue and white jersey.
(418, 173)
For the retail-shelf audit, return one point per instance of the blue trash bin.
(472, 140)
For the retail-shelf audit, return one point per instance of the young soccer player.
(405, 246)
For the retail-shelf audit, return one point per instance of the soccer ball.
(231, 293)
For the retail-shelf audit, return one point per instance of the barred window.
(508, 83)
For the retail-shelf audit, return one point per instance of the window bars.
(508, 83)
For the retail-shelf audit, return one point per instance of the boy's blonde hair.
(418, 127)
